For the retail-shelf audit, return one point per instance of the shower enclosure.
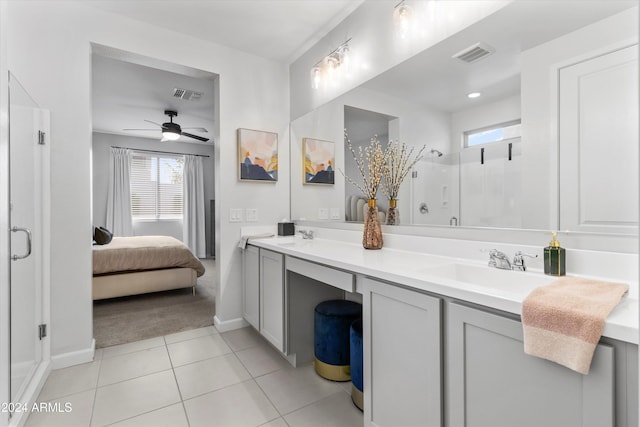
(28, 268)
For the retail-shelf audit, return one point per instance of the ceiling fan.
(172, 131)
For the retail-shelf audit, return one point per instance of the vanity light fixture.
(329, 68)
(473, 95)
(402, 18)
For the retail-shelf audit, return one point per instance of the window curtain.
(193, 209)
(119, 195)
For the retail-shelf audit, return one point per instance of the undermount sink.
(488, 277)
(286, 241)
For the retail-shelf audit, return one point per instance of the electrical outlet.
(335, 213)
(323, 213)
(235, 215)
(251, 215)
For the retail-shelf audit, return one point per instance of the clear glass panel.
(25, 221)
(435, 191)
(490, 185)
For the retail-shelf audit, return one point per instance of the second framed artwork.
(318, 159)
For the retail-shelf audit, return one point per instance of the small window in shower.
(495, 133)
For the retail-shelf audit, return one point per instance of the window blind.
(156, 187)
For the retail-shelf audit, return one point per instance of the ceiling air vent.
(189, 95)
(474, 53)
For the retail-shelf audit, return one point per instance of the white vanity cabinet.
(251, 286)
(431, 359)
(402, 356)
(487, 378)
(263, 293)
(272, 297)
(490, 381)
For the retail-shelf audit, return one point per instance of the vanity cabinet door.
(402, 357)
(272, 297)
(251, 286)
(490, 381)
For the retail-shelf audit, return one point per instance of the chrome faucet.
(306, 234)
(518, 260)
(498, 259)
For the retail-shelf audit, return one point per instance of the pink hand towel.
(563, 321)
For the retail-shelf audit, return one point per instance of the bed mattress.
(142, 253)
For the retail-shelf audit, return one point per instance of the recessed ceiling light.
(473, 95)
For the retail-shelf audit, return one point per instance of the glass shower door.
(25, 193)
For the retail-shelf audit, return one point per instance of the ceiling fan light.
(170, 134)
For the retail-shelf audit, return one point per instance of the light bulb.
(315, 77)
(402, 17)
(344, 59)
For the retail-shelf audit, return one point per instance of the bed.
(142, 264)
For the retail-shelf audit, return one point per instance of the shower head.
(437, 152)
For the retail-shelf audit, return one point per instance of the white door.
(27, 168)
(599, 144)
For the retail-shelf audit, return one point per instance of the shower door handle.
(26, 231)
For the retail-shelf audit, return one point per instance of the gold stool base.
(357, 397)
(332, 372)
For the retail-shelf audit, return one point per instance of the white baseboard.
(229, 325)
(78, 357)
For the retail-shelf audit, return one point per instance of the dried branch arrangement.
(399, 163)
(372, 165)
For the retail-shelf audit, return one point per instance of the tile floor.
(195, 378)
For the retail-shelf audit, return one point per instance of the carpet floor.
(138, 317)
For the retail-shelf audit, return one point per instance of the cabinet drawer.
(321, 273)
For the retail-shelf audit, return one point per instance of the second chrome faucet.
(306, 234)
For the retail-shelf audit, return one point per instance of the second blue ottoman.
(332, 320)
(356, 364)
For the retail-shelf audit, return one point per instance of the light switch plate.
(251, 215)
(335, 213)
(323, 213)
(235, 215)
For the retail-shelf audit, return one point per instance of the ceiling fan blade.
(199, 138)
(153, 123)
(153, 130)
(198, 129)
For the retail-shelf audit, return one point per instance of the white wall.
(54, 63)
(100, 154)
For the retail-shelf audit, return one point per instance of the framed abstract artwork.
(318, 159)
(257, 155)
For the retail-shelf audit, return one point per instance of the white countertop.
(502, 290)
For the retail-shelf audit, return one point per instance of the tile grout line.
(95, 391)
(175, 378)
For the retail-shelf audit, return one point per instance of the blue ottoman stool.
(356, 364)
(332, 320)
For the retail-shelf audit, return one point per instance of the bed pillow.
(101, 235)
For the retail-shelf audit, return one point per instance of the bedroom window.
(156, 187)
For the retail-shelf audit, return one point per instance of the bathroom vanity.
(442, 336)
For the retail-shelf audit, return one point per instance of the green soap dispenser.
(554, 258)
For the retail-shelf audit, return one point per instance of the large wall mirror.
(550, 143)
